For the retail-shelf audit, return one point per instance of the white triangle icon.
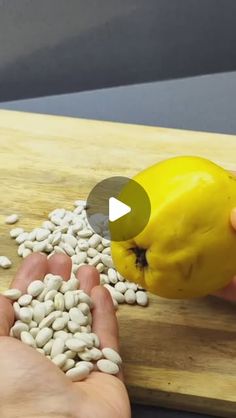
(117, 209)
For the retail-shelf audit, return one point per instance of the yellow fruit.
(188, 247)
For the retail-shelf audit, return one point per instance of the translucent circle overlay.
(130, 193)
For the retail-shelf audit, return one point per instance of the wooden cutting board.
(179, 354)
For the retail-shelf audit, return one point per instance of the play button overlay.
(118, 208)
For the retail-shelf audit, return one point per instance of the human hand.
(229, 292)
(30, 384)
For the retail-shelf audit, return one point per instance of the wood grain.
(179, 354)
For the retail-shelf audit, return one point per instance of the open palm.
(30, 384)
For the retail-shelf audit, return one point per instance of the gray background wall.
(59, 46)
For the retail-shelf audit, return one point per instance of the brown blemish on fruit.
(140, 253)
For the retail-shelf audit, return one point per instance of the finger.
(233, 218)
(104, 318)
(105, 323)
(60, 264)
(88, 277)
(33, 267)
(6, 316)
(229, 292)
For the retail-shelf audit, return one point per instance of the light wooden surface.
(177, 354)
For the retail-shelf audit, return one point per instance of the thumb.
(233, 218)
(6, 316)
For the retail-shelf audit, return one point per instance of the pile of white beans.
(55, 318)
(69, 232)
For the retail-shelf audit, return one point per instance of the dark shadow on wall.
(146, 41)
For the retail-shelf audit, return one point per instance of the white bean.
(42, 234)
(141, 298)
(59, 324)
(35, 288)
(106, 251)
(77, 316)
(130, 297)
(92, 252)
(106, 242)
(25, 315)
(99, 247)
(74, 344)
(118, 296)
(80, 203)
(32, 235)
(70, 354)
(68, 364)
(78, 373)
(79, 258)
(18, 328)
(107, 260)
(73, 326)
(22, 237)
(104, 279)
(21, 249)
(87, 338)
(16, 308)
(54, 282)
(85, 355)
(34, 331)
(82, 245)
(121, 287)
(56, 238)
(112, 276)
(49, 307)
(132, 286)
(42, 295)
(85, 233)
(15, 232)
(25, 300)
(94, 261)
(62, 334)
(12, 219)
(77, 227)
(27, 338)
(48, 347)
(107, 366)
(83, 297)
(69, 300)
(68, 249)
(84, 308)
(49, 319)
(5, 262)
(26, 252)
(12, 294)
(71, 240)
(59, 302)
(43, 336)
(48, 225)
(95, 340)
(50, 295)
(40, 350)
(59, 360)
(112, 355)
(58, 250)
(96, 354)
(57, 347)
(39, 312)
(100, 267)
(32, 324)
(88, 364)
